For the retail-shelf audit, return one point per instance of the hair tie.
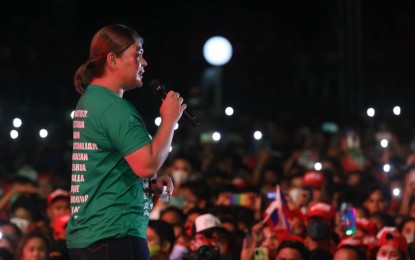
(88, 62)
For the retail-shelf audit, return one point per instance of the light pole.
(217, 51)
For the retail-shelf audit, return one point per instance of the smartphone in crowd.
(261, 253)
(348, 218)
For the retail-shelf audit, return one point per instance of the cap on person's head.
(286, 235)
(322, 210)
(57, 194)
(206, 222)
(351, 241)
(367, 225)
(391, 236)
(363, 241)
(314, 179)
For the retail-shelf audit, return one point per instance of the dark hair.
(368, 190)
(26, 238)
(17, 232)
(361, 255)
(411, 201)
(199, 189)
(175, 210)
(320, 254)
(5, 254)
(386, 219)
(405, 220)
(31, 203)
(299, 246)
(195, 210)
(114, 38)
(164, 230)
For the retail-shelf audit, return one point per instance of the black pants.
(126, 248)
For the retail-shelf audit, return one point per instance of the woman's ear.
(111, 60)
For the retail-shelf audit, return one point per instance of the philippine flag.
(277, 212)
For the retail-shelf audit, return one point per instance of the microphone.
(159, 89)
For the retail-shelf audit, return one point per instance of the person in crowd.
(349, 252)
(209, 236)
(58, 204)
(11, 232)
(25, 212)
(376, 199)
(6, 254)
(181, 170)
(391, 244)
(382, 219)
(195, 194)
(320, 227)
(321, 254)
(33, 246)
(160, 239)
(407, 205)
(45, 184)
(190, 218)
(407, 229)
(57, 248)
(315, 182)
(172, 215)
(293, 250)
(19, 187)
(8, 244)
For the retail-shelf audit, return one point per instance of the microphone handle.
(191, 117)
(158, 89)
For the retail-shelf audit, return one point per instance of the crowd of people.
(221, 193)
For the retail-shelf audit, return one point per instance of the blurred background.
(326, 65)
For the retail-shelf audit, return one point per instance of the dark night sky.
(296, 58)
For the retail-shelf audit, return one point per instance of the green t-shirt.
(107, 198)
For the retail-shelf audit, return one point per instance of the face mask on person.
(154, 250)
(22, 223)
(409, 237)
(178, 252)
(294, 194)
(179, 176)
(318, 231)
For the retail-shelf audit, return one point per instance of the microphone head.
(158, 88)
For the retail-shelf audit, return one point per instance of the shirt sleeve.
(125, 127)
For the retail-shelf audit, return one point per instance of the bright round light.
(216, 136)
(171, 148)
(397, 110)
(72, 114)
(217, 51)
(371, 112)
(386, 168)
(318, 166)
(157, 121)
(17, 122)
(176, 126)
(229, 111)
(384, 143)
(43, 133)
(257, 135)
(14, 134)
(396, 192)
